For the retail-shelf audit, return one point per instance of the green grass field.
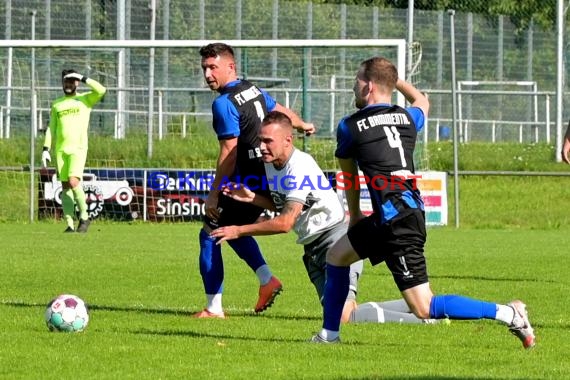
(142, 284)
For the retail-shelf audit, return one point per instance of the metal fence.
(315, 82)
(489, 49)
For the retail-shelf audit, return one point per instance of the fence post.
(547, 106)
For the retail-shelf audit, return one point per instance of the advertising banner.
(130, 194)
(179, 194)
(433, 189)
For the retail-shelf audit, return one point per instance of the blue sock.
(336, 290)
(247, 249)
(460, 307)
(211, 264)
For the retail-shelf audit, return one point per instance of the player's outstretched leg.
(212, 272)
(381, 312)
(269, 286)
(514, 315)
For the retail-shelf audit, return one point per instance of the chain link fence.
(488, 48)
(494, 54)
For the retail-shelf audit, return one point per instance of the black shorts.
(234, 213)
(399, 242)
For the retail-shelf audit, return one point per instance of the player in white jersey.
(307, 204)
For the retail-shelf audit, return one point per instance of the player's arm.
(282, 223)
(352, 188)
(241, 193)
(97, 89)
(348, 178)
(566, 146)
(413, 95)
(298, 123)
(46, 157)
(225, 166)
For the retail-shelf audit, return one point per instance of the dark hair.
(215, 49)
(276, 117)
(67, 71)
(380, 70)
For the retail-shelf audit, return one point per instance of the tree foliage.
(520, 12)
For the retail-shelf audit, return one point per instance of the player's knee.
(420, 310)
(339, 258)
(422, 313)
(74, 182)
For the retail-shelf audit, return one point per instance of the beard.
(359, 103)
(69, 90)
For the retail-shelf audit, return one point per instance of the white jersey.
(302, 180)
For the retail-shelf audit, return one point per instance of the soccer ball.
(67, 313)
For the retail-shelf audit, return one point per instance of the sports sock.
(328, 334)
(374, 312)
(68, 205)
(505, 314)
(215, 303)
(460, 307)
(248, 250)
(79, 196)
(264, 274)
(355, 273)
(336, 290)
(395, 305)
(211, 264)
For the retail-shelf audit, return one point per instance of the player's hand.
(211, 205)
(46, 157)
(75, 76)
(566, 151)
(238, 192)
(225, 233)
(309, 129)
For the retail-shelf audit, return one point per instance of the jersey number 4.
(394, 141)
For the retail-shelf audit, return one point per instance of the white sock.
(215, 303)
(328, 334)
(264, 274)
(505, 314)
(399, 305)
(373, 312)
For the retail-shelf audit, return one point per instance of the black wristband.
(46, 149)
(84, 79)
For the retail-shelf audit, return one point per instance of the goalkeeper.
(69, 121)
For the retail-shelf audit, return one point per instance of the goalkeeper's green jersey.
(69, 119)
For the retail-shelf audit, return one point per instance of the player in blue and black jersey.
(237, 115)
(379, 139)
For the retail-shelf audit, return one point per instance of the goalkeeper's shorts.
(70, 164)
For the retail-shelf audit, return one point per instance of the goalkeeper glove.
(76, 76)
(46, 157)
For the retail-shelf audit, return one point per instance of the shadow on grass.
(477, 278)
(163, 311)
(431, 377)
(166, 311)
(485, 278)
(199, 334)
